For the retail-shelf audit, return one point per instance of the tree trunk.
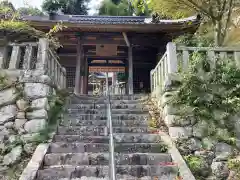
(218, 33)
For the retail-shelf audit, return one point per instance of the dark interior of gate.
(130, 45)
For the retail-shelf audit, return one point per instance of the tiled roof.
(80, 19)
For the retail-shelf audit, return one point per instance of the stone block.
(22, 104)
(13, 156)
(19, 123)
(21, 115)
(37, 90)
(37, 114)
(199, 129)
(41, 103)
(173, 120)
(166, 97)
(8, 96)
(9, 125)
(27, 138)
(180, 132)
(35, 125)
(223, 151)
(220, 170)
(7, 113)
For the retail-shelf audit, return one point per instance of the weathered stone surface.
(166, 97)
(41, 103)
(4, 133)
(194, 144)
(7, 113)
(207, 155)
(180, 132)
(173, 120)
(9, 125)
(35, 125)
(208, 143)
(7, 96)
(220, 170)
(20, 115)
(37, 114)
(22, 104)
(13, 156)
(223, 151)
(19, 123)
(29, 148)
(199, 129)
(37, 90)
(12, 138)
(27, 138)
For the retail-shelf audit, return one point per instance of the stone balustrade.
(177, 59)
(33, 56)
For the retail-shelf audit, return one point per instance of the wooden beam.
(126, 39)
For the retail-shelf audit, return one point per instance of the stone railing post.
(42, 56)
(63, 78)
(15, 58)
(171, 58)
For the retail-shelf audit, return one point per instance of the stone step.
(104, 117)
(119, 177)
(103, 106)
(98, 131)
(104, 111)
(77, 122)
(67, 171)
(118, 138)
(63, 147)
(77, 159)
(103, 101)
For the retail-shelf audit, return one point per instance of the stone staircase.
(80, 148)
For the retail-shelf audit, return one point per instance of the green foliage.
(122, 77)
(57, 104)
(234, 165)
(32, 11)
(77, 7)
(197, 164)
(124, 8)
(121, 9)
(213, 95)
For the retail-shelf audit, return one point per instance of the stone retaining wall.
(24, 106)
(188, 135)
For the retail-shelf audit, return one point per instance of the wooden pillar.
(130, 70)
(85, 77)
(77, 89)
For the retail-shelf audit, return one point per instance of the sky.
(37, 3)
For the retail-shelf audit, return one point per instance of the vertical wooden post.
(77, 88)
(42, 56)
(85, 78)
(15, 58)
(171, 58)
(130, 70)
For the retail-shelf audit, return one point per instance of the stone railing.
(177, 58)
(33, 56)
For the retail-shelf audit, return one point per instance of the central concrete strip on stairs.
(68, 171)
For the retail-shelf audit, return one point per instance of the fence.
(33, 56)
(177, 59)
